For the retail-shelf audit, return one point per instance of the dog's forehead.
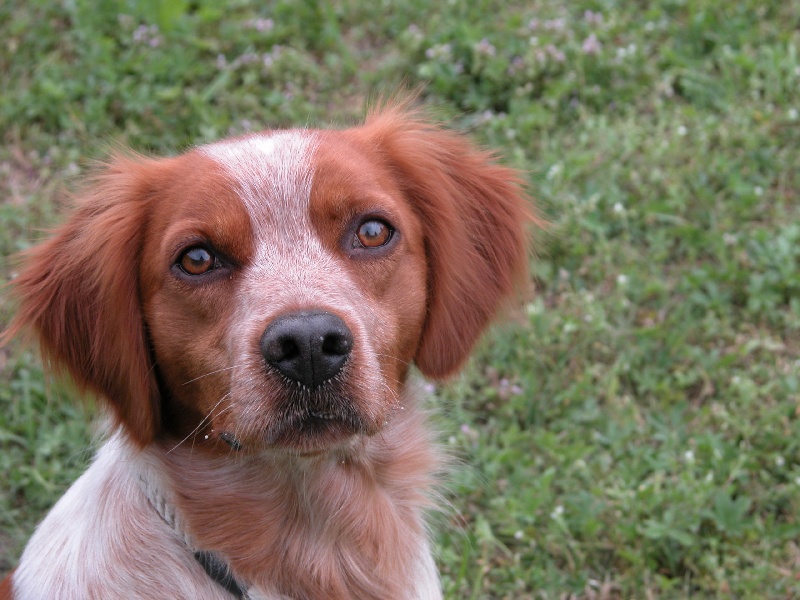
(272, 173)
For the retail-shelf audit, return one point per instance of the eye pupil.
(197, 261)
(374, 233)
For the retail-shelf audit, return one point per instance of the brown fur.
(347, 521)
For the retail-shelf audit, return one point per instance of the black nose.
(308, 347)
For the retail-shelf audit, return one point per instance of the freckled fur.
(179, 363)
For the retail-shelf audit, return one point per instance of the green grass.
(635, 433)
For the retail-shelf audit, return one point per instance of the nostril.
(337, 344)
(280, 349)
(289, 348)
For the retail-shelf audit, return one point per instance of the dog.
(249, 312)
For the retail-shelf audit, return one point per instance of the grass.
(635, 431)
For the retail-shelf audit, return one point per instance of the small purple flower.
(556, 54)
(555, 25)
(485, 47)
(247, 58)
(591, 45)
(148, 35)
(439, 51)
(261, 25)
(517, 65)
(593, 17)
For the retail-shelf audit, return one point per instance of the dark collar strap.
(219, 571)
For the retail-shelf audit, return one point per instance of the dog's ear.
(475, 216)
(78, 293)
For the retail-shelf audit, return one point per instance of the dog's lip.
(325, 415)
(311, 453)
(316, 433)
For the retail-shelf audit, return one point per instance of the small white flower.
(533, 308)
(682, 131)
(518, 535)
(619, 208)
(758, 191)
(688, 456)
(792, 114)
(554, 171)
(780, 461)
(622, 279)
(557, 512)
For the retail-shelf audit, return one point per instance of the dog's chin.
(316, 434)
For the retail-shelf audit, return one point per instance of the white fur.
(103, 539)
(106, 540)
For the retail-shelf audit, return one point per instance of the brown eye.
(197, 261)
(373, 234)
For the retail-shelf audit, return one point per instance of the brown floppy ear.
(475, 216)
(78, 292)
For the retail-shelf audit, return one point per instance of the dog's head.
(271, 290)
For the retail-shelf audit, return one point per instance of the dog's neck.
(345, 524)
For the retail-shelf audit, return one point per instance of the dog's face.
(271, 291)
(283, 284)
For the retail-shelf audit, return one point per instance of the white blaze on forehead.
(291, 269)
(273, 174)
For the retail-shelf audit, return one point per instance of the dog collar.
(214, 566)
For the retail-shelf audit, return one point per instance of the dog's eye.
(373, 234)
(197, 261)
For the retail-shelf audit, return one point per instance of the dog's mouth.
(313, 431)
(304, 422)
